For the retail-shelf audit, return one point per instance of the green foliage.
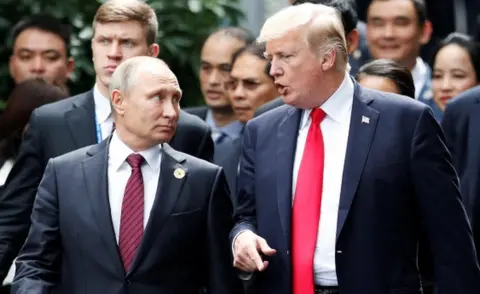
(183, 25)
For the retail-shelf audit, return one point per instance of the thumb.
(264, 248)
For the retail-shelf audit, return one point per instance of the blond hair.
(321, 25)
(129, 10)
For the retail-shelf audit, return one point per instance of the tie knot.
(317, 115)
(135, 160)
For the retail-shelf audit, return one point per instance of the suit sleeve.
(437, 190)
(39, 260)
(245, 210)
(448, 125)
(221, 275)
(206, 149)
(18, 195)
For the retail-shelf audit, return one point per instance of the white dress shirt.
(103, 112)
(119, 172)
(419, 75)
(335, 128)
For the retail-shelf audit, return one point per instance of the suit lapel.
(95, 170)
(169, 189)
(286, 141)
(363, 124)
(81, 120)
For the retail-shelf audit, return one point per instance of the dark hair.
(25, 97)
(240, 34)
(43, 22)
(420, 9)
(391, 70)
(347, 9)
(468, 43)
(256, 50)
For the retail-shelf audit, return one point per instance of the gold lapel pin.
(179, 173)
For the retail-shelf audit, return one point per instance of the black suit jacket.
(461, 124)
(200, 111)
(71, 246)
(56, 129)
(397, 180)
(227, 155)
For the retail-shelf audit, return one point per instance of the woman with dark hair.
(456, 67)
(388, 76)
(24, 98)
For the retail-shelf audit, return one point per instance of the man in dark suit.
(461, 124)
(131, 214)
(356, 40)
(85, 119)
(216, 58)
(335, 187)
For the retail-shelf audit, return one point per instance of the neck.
(410, 64)
(132, 141)
(102, 89)
(223, 116)
(334, 81)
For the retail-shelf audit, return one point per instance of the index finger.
(256, 258)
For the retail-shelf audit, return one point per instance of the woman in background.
(388, 76)
(456, 67)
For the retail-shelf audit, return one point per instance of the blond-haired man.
(122, 29)
(329, 194)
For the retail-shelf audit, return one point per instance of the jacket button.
(339, 251)
(288, 252)
(128, 282)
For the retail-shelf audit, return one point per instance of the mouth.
(282, 90)
(214, 95)
(241, 109)
(111, 68)
(445, 98)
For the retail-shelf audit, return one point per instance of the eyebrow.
(47, 51)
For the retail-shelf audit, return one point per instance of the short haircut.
(347, 8)
(46, 23)
(420, 9)
(400, 75)
(128, 71)
(466, 42)
(256, 50)
(237, 33)
(129, 10)
(322, 25)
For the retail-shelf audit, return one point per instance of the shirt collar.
(338, 106)
(232, 130)
(102, 105)
(119, 151)
(419, 75)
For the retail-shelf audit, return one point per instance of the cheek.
(465, 84)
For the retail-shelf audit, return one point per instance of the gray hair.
(322, 25)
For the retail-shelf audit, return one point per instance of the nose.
(170, 109)
(37, 65)
(389, 31)
(239, 92)
(446, 84)
(275, 68)
(115, 51)
(215, 77)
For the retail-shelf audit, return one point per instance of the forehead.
(289, 42)
(391, 9)
(125, 29)
(157, 80)
(37, 40)
(454, 55)
(220, 49)
(248, 66)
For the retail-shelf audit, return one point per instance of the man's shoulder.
(191, 121)
(269, 106)
(467, 98)
(199, 111)
(74, 157)
(384, 101)
(59, 108)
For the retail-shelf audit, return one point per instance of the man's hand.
(247, 250)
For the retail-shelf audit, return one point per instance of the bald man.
(131, 215)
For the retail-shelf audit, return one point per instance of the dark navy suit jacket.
(71, 246)
(398, 180)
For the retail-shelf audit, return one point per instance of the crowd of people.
(330, 157)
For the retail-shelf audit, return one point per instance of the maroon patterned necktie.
(131, 222)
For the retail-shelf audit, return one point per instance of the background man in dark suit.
(169, 213)
(355, 32)
(85, 119)
(216, 57)
(357, 174)
(461, 124)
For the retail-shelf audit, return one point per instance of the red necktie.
(306, 207)
(131, 222)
